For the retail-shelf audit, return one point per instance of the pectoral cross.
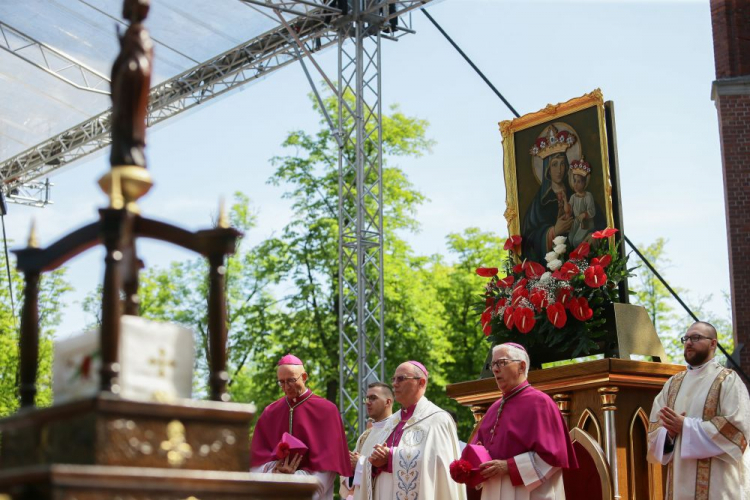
(161, 362)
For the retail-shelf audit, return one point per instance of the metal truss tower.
(361, 347)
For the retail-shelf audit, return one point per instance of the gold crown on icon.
(551, 142)
(580, 167)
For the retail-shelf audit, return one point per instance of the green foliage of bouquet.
(562, 306)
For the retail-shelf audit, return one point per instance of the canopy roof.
(36, 105)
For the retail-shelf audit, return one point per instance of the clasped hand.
(672, 421)
(493, 468)
(288, 466)
(379, 456)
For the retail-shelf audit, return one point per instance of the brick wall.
(731, 93)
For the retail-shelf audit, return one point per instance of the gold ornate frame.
(550, 113)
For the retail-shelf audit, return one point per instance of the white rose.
(555, 264)
(550, 257)
(545, 277)
(561, 249)
(560, 240)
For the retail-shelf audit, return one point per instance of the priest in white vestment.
(524, 433)
(699, 425)
(379, 406)
(413, 451)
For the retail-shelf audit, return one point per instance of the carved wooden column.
(114, 230)
(608, 396)
(217, 328)
(562, 399)
(29, 342)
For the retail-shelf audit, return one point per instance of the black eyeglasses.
(499, 363)
(288, 381)
(401, 378)
(693, 338)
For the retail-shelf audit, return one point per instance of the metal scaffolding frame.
(53, 61)
(309, 26)
(361, 343)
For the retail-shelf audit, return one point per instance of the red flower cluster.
(531, 296)
(460, 471)
(283, 451)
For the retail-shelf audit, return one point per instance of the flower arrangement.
(560, 306)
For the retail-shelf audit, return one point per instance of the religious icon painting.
(557, 175)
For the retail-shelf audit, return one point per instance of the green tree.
(458, 290)
(52, 290)
(648, 291)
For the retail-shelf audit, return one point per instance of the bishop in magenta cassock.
(313, 420)
(415, 446)
(525, 435)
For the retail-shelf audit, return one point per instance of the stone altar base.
(610, 401)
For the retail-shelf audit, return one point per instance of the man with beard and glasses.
(700, 423)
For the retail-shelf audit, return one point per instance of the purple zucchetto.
(421, 367)
(290, 359)
(517, 346)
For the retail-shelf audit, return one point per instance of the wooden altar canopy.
(606, 404)
(107, 447)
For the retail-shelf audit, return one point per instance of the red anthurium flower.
(518, 294)
(523, 318)
(505, 282)
(539, 298)
(500, 304)
(487, 272)
(557, 315)
(508, 318)
(580, 309)
(533, 269)
(485, 319)
(521, 284)
(604, 261)
(594, 276)
(488, 302)
(566, 272)
(604, 233)
(518, 268)
(512, 241)
(581, 251)
(564, 295)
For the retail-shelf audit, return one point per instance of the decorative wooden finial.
(223, 221)
(128, 179)
(33, 238)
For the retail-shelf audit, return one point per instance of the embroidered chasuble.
(525, 428)
(709, 459)
(423, 443)
(317, 423)
(364, 447)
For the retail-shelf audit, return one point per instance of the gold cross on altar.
(161, 362)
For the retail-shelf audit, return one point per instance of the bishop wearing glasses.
(699, 425)
(524, 434)
(416, 446)
(313, 420)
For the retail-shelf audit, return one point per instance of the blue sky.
(653, 59)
